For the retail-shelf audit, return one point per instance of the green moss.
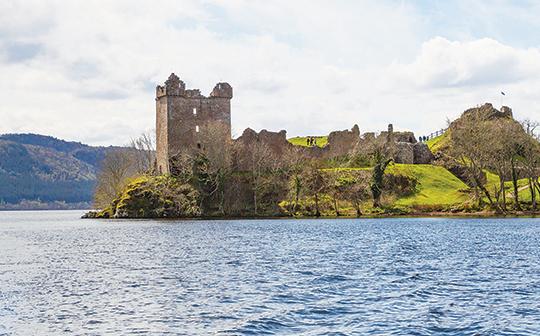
(156, 197)
(302, 141)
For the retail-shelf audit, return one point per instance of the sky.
(87, 70)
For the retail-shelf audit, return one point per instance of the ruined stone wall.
(276, 141)
(183, 116)
(422, 154)
(404, 153)
(400, 136)
(485, 112)
(340, 143)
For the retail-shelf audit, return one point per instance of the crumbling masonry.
(183, 115)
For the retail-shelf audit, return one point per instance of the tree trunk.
(296, 197)
(358, 210)
(477, 197)
(336, 206)
(255, 201)
(377, 201)
(486, 193)
(533, 194)
(317, 212)
(502, 192)
(515, 183)
(222, 202)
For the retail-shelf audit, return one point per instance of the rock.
(422, 154)
(404, 153)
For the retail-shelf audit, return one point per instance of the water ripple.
(62, 276)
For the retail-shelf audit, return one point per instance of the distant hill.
(36, 167)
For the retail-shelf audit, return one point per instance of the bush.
(156, 197)
(400, 185)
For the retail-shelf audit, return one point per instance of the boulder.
(404, 153)
(422, 154)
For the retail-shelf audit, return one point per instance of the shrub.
(157, 196)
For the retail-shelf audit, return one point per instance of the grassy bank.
(302, 141)
(436, 186)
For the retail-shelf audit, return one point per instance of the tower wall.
(183, 117)
(162, 139)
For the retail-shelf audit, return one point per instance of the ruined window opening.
(197, 128)
(199, 146)
(194, 111)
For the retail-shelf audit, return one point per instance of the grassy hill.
(436, 185)
(439, 142)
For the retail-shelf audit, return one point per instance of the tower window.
(194, 111)
(197, 128)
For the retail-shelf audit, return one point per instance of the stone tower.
(182, 116)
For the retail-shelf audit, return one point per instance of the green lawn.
(302, 141)
(437, 143)
(493, 182)
(436, 185)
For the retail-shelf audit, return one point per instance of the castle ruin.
(184, 115)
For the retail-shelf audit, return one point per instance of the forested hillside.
(36, 167)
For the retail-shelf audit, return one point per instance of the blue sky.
(87, 71)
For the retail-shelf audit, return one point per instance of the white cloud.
(305, 66)
(443, 63)
(447, 77)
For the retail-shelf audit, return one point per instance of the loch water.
(60, 275)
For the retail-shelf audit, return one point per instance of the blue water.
(61, 275)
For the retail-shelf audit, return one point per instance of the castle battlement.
(222, 90)
(174, 86)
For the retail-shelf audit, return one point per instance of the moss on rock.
(155, 197)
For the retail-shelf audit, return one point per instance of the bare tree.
(470, 139)
(116, 170)
(144, 153)
(356, 190)
(181, 166)
(294, 163)
(499, 155)
(214, 162)
(315, 183)
(530, 159)
(258, 159)
(530, 126)
(335, 188)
